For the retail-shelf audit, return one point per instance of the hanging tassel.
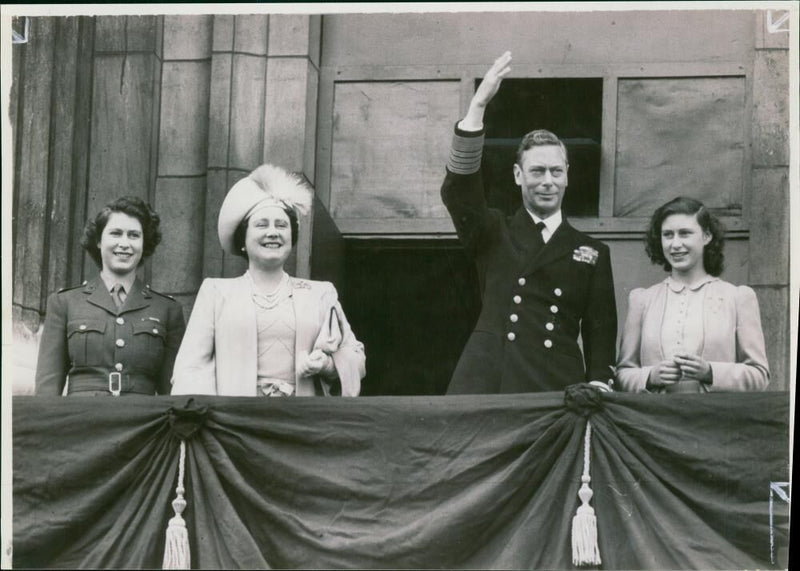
(584, 525)
(176, 551)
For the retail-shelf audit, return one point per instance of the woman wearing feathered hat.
(266, 333)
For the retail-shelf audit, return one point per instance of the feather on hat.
(268, 184)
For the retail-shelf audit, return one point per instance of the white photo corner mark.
(20, 27)
(777, 21)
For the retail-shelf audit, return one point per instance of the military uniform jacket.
(536, 300)
(86, 338)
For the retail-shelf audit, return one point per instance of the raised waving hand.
(473, 121)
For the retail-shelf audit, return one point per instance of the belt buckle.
(115, 377)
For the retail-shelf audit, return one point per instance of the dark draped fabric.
(680, 481)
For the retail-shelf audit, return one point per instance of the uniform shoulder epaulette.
(63, 289)
(151, 290)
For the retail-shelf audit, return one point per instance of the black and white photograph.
(530, 267)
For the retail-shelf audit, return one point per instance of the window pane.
(390, 145)
(679, 136)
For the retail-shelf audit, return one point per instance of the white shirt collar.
(678, 287)
(551, 223)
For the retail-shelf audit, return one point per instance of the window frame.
(605, 225)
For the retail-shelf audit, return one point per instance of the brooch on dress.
(585, 254)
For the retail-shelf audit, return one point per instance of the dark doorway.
(413, 303)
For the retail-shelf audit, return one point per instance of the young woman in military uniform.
(113, 335)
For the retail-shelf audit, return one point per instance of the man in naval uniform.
(543, 282)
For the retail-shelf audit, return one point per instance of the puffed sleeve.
(631, 375)
(195, 365)
(750, 372)
(53, 361)
(176, 326)
(348, 358)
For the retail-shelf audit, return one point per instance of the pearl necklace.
(276, 297)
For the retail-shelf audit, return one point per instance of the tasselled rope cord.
(177, 554)
(585, 550)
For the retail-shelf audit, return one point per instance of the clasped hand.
(683, 367)
(315, 363)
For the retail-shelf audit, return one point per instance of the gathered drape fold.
(490, 481)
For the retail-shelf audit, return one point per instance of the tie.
(539, 238)
(118, 295)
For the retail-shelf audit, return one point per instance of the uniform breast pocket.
(149, 338)
(85, 341)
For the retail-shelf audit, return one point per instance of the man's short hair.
(540, 138)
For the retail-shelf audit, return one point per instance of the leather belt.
(114, 383)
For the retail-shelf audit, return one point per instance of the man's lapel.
(561, 243)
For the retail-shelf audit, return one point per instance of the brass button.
(553, 309)
(120, 343)
(548, 343)
(118, 367)
(549, 326)
(513, 317)
(521, 281)
(82, 327)
(511, 336)
(155, 330)
(557, 291)
(120, 321)
(517, 299)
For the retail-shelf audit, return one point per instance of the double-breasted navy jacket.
(86, 338)
(536, 300)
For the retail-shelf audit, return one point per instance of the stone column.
(180, 183)
(236, 112)
(49, 117)
(290, 119)
(769, 196)
(125, 104)
(264, 77)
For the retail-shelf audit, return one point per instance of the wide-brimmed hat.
(266, 185)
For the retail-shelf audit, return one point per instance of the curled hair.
(241, 231)
(713, 257)
(133, 207)
(540, 138)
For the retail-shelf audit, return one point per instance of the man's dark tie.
(538, 235)
(118, 295)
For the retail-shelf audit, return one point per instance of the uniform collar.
(138, 296)
(678, 287)
(111, 281)
(551, 222)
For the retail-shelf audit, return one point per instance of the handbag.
(328, 341)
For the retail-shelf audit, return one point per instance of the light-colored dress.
(713, 318)
(682, 328)
(219, 353)
(276, 330)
